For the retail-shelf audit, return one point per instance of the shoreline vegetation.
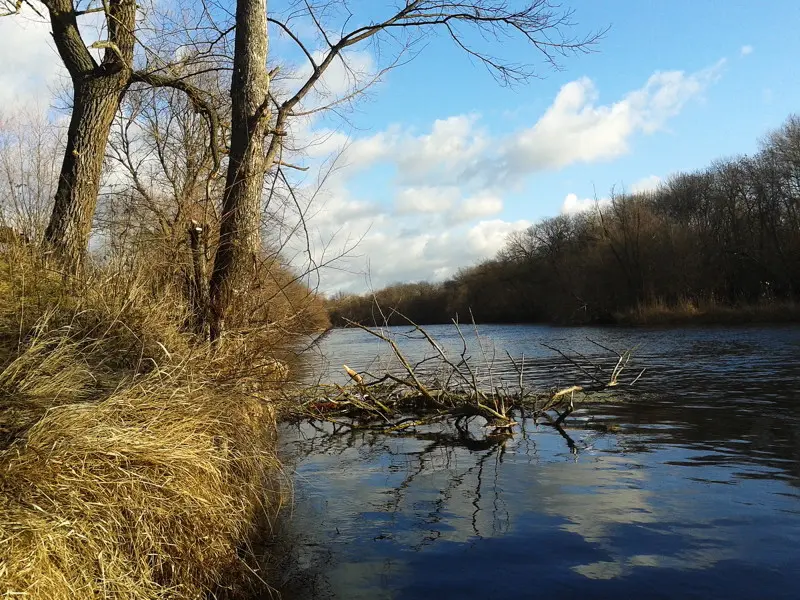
(710, 313)
(135, 461)
(654, 314)
(720, 245)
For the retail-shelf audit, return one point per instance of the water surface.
(690, 489)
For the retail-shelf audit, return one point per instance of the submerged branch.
(448, 388)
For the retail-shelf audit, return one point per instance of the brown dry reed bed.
(709, 312)
(134, 463)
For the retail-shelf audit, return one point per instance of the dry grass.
(148, 493)
(709, 312)
(133, 463)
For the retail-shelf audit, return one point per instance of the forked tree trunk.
(97, 91)
(237, 253)
(96, 101)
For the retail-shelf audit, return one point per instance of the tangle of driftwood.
(393, 402)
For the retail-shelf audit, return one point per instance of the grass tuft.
(135, 462)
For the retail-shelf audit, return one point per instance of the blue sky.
(720, 77)
(441, 163)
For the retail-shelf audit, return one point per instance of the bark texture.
(237, 254)
(97, 92)
(67, 234)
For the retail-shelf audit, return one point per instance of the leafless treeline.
(727, 235)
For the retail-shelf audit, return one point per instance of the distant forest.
(724, 238)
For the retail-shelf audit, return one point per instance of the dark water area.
(688, 489)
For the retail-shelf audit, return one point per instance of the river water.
(689, 488)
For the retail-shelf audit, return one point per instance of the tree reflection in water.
(691, 490)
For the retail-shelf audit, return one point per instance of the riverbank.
(134, 462)
(657, 313)
(709, 313)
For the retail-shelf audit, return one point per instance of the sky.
(438, 163)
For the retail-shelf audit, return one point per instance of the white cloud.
(447, 199)
(449, 182)
(746, 50)
(573, 205)
(487, 238)
(479, 206)
(331, 95)
(441, 155)
(646, 184)
(576, 129)
(438, 157)
(354, 155)
(572, 130)
(317, 142)
(426, 199)
(30, 62)
(363, 152)
(400, 246)
(345, 74)
(349, 72)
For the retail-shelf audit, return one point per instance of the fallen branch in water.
(441, 387)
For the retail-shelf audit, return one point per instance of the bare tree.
(98, 87)
(259, 118)
(162, 209)
(30, 144)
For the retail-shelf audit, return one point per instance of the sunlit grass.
(135, 461)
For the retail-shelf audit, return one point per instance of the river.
(688, 489)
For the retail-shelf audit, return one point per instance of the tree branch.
(71, 47)
(296, 40)
(534, 22)
(195, 96)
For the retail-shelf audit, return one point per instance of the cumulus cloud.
(487, 238)
(573, 205)
(350, 71)
(572, 130)
(746, 50)
(426, 199)
(646, 184)
(437, 157)
(577, 129)
(395, 246)
(479, 206)
(443, 154)
(448, 182)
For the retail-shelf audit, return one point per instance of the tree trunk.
(198, 284)
(97, 91)
(96, 101)
(237, 253)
